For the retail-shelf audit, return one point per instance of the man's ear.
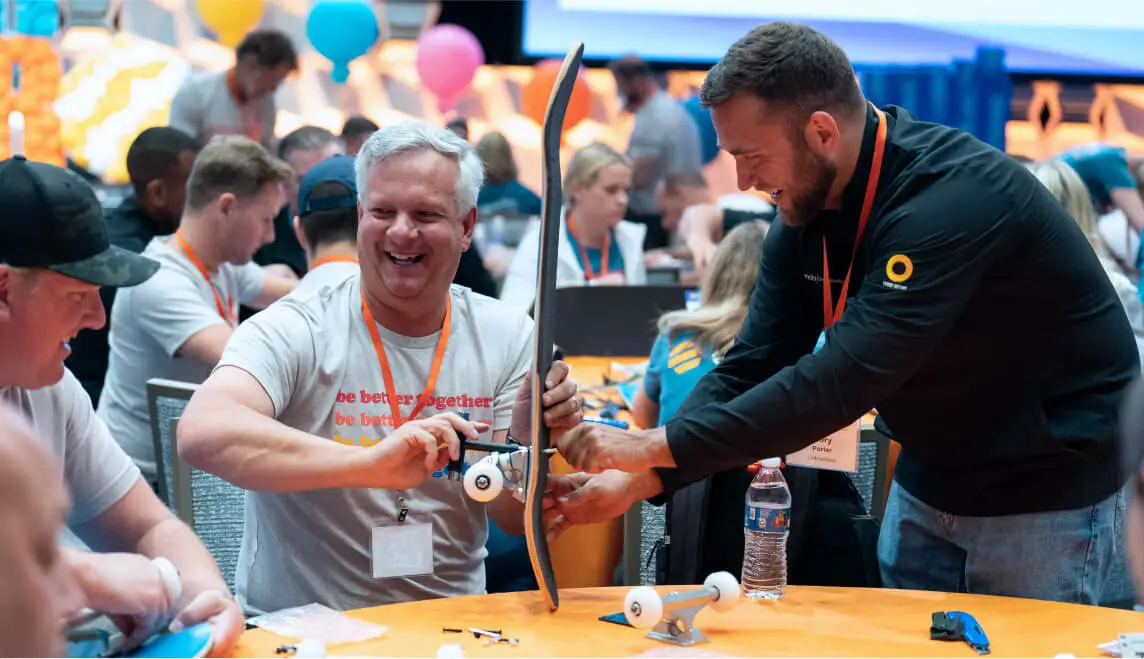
(226, 202)
(7, 276)
(156, 193)
(298, 232)
(823, 134)
(468, 221)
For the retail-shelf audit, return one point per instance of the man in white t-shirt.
(327, 223)
(54, 256)
(310, 406)
(239, 100)
(176, 324)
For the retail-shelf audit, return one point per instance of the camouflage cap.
(50, 218)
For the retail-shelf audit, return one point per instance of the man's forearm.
(256, 452)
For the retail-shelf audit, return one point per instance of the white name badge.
(838, 452)
(402, 549)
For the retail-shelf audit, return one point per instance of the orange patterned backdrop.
(1048, 116)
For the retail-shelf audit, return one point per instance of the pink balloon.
(447, 60)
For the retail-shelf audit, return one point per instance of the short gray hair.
(418, 136)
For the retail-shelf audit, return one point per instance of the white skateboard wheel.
(727, 587)
(483, 482)
(643, 607)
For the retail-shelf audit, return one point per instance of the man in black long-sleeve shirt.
(976, 319)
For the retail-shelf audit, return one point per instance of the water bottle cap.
(772, 463)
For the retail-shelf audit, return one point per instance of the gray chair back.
(212, 507)
(873, 468)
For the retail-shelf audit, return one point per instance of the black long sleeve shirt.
(998, 363)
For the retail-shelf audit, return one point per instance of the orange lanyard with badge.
(830, 313)
(228, 312)
(332, 259)
(590, 274)
(387, 374)
(839, 451)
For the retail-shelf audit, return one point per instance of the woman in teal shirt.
(691, 342)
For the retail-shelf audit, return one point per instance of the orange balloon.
(535, 95)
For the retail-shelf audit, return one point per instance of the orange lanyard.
(332, 259)
(590, 274)
(831, 314)
(387, 375)
(230, 318)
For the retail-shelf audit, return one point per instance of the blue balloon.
(708, 139)
(342, 31)
(35, 18)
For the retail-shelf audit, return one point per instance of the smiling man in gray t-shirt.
(318, 406)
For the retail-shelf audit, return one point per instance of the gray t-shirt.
(326, 275)
(149, 323)
(663, 130)
(315, 359)
(97, 471)
(204, 107)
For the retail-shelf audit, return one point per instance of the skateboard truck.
(505, 465)
(673, 617)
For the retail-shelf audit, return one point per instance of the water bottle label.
(766, 519)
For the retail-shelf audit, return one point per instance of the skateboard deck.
(545, 316)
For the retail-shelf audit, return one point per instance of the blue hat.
(335, 169)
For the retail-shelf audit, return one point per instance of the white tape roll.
(171, 578)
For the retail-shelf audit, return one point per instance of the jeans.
(1062, 556)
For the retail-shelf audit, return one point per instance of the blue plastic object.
(974, 635)
(607, 422)
(342, 31)
(191, 642)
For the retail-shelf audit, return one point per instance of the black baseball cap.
(50, 218)
(335, 169)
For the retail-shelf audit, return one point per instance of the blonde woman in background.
(691, 343)
(597, 246)
(503, 191)
(1066, 185)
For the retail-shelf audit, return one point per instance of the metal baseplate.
(1131, 645)
(678, 627)
(514, 466)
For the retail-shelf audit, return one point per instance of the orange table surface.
(808, 621)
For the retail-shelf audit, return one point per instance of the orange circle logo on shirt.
(899, 268)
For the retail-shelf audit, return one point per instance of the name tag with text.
(838, 452)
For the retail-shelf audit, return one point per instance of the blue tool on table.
(959, 626)
(615, 423)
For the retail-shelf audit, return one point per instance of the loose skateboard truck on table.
(673, 617)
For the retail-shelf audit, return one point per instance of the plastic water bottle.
(766, 524)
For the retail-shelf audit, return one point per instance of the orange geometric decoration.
(39, 84)
(535, 95)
